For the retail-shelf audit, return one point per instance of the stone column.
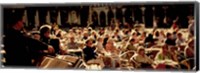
(114, 12)
(37, 21)
(106, 12)
(165, 18)
(133, 16)
(89, 22)
(143, 12)
(48, 19)
(69, 18)
(123, 12)
(25, 18)
(98, 14)
(79, 19)
(154, 18)
(59, 18)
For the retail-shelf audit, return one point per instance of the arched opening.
(84, 15)
(95, 19)
(31, 12)
(128, 16)
(138, 14)
(64, 17)
(42, 15)
(119, 15)
(102, 19)
(53, 15)
(159, 13)
(110, 16)
(148, 16)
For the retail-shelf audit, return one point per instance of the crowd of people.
(118, 48)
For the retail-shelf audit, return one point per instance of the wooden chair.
(153, 54)
(187, 64)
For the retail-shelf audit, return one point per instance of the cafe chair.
(52, 63)
(134, 62)
(74, 60)
(127, 55)
(186, 64)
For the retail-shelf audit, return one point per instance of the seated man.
(149, 41)
(170, 40)
(131, 45)
(164, 54)
(180, 40)
(20, 49)
(72, 44)
(89, 51)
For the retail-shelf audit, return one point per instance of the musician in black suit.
(20, 49)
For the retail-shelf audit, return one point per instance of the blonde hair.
(140, 49)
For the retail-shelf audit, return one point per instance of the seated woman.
(174, 54)
(111, 49)
(189, 53)
(143, 36)
(189, 50)
(164, 54)
(112, 52)
(108, 62)
(45, 37)
(162, 35)
(99, 45)
(189, 56)
(143, 59)
(187, 62)
(94, 35)
(164, 57)
(159, 37)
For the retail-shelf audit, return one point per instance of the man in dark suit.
(170, 40)
(89, 51)
(20, 49)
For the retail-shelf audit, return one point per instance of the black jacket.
(53, 42)
(20, 49)
(170, 42)
(89, 53)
